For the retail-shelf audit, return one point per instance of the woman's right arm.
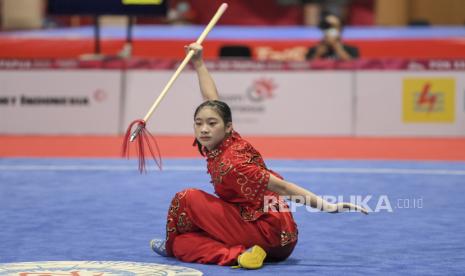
(291, 190)
(206, 83)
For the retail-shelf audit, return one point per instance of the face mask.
(332, 32)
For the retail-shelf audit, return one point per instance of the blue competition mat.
(103, 210)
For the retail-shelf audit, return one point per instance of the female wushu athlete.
(233, 228)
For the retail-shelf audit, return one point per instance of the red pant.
(205, 229)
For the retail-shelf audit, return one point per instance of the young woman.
(247, 222)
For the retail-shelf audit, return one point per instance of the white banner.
(293, 102)
(263, 103)
(60, 101)
(399, 103)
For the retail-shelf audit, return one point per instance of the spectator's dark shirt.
(331, 54)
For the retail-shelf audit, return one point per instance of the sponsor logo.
(291, 53)
(429, 100)
(261, 90)
(254, 98)
(93, 268)
(100, 95)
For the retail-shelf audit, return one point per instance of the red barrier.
(261, 49)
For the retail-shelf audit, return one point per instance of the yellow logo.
(142, 2)
(430, 100)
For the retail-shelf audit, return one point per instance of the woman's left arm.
(206, 82)
(292, 190)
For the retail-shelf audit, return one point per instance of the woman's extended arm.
(286, 188)
(206, 83)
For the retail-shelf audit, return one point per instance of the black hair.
(324, 25)
(223, 111)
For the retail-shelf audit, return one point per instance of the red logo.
(100, 95)
(426, 97)
(261, 89)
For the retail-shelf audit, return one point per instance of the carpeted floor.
(102, 209)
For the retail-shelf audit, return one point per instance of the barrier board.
(60, 101)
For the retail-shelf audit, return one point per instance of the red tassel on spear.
(141, 134)
(143, 137)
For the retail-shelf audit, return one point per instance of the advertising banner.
(262, 103)
(60, 101)
(410, 103)
(324, 98)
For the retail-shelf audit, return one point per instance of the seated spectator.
(331, 46)
(313, 9)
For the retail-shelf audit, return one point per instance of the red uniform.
(203, 228)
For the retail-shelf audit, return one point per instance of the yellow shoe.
(252, 258)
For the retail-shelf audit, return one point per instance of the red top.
(240, 176)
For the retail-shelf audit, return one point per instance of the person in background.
(331, 46)
(313, 10)
(180, 12)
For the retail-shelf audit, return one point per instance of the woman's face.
(209, 128)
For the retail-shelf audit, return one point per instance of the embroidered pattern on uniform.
(174, 207)
(236, 167)
(184, 224)
(169, 229)
(223, 168)
(173, 213)
(242, 181)
(288, 237)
